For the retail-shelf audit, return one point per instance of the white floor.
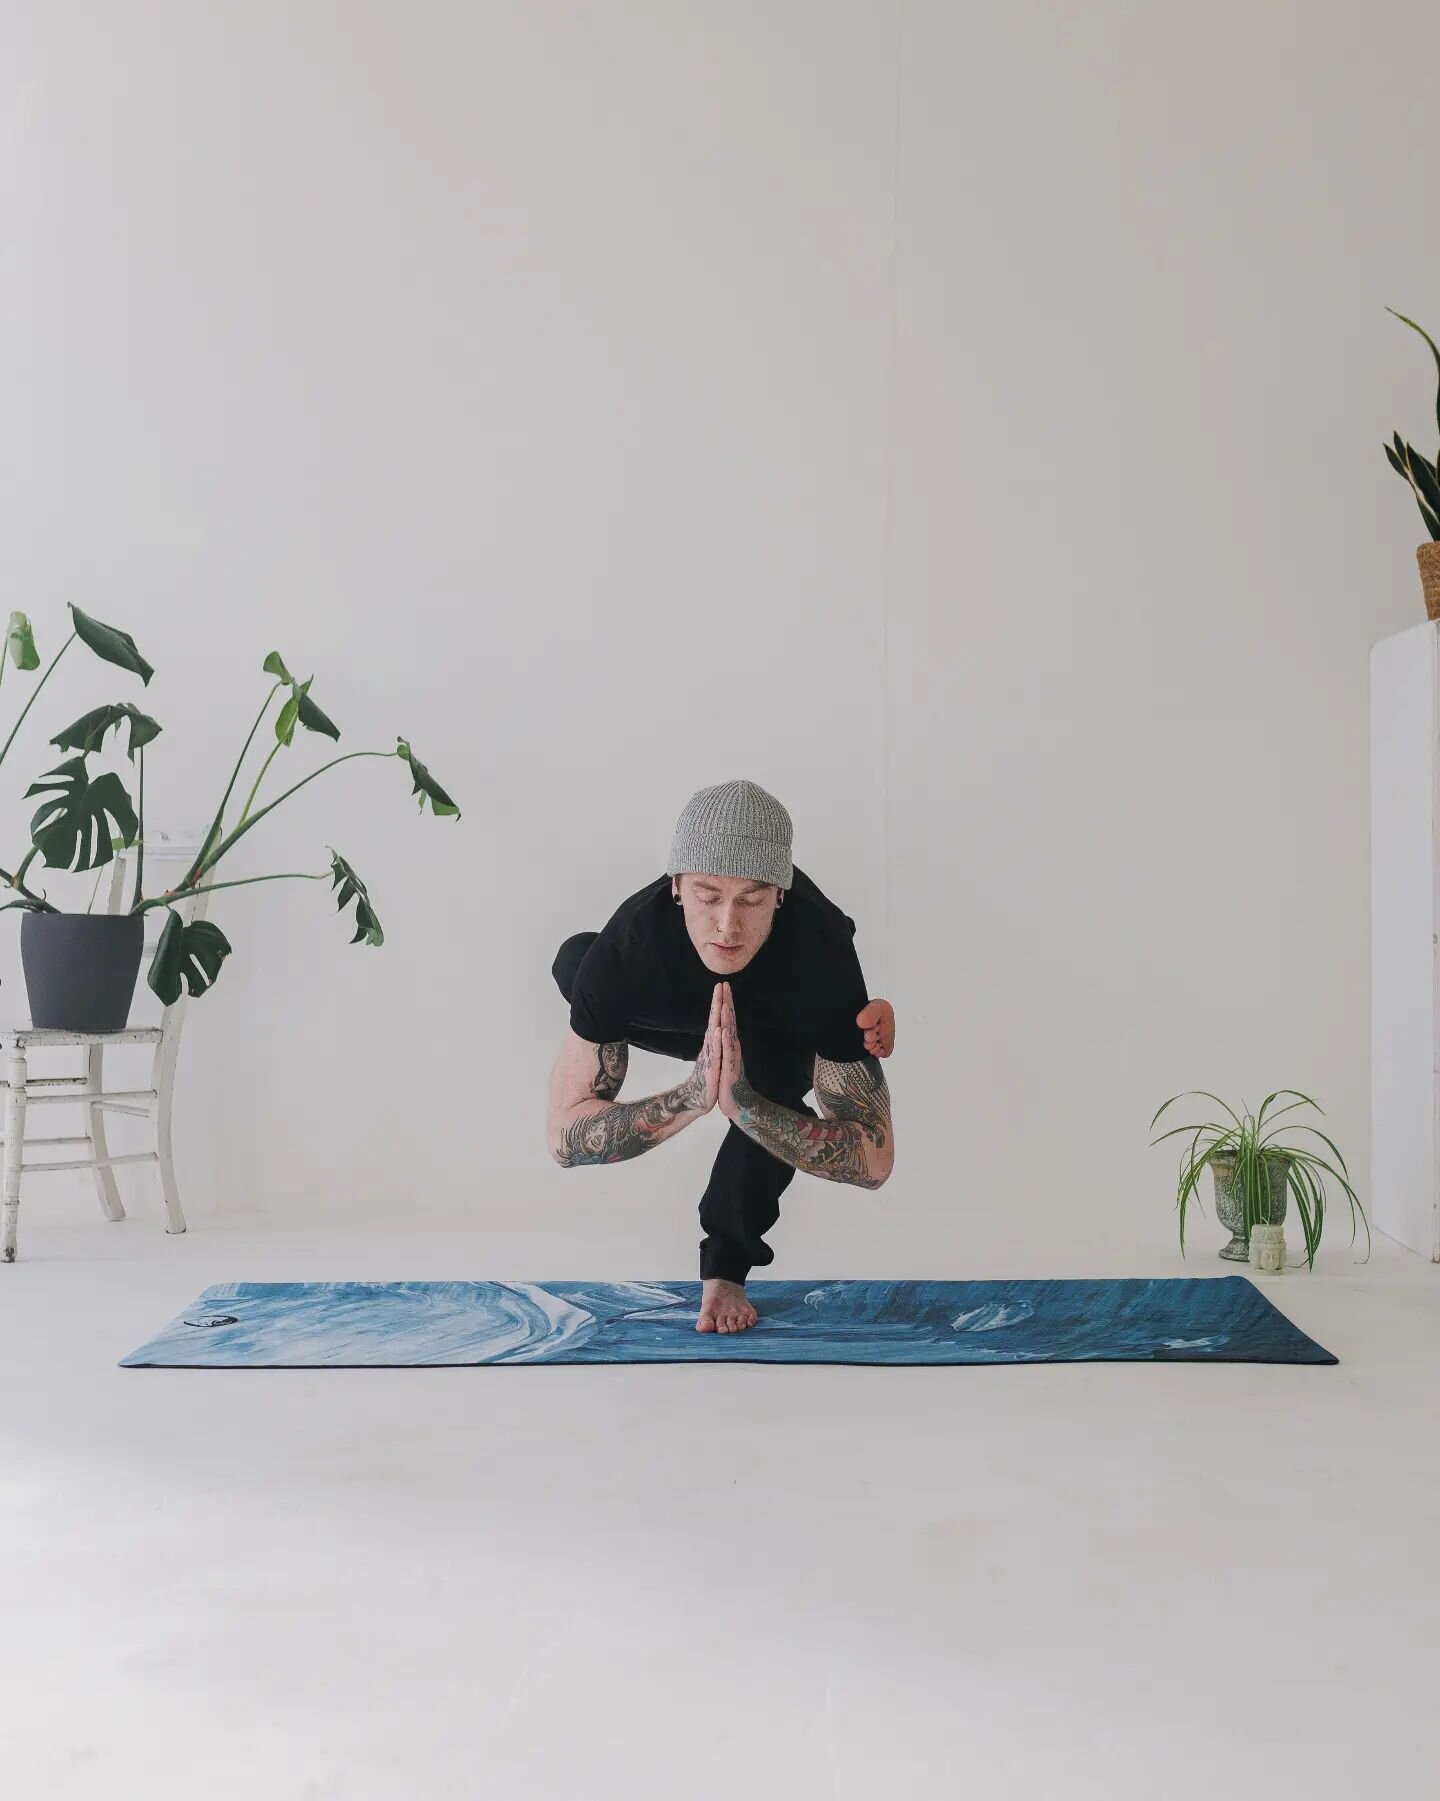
(1158, 1581)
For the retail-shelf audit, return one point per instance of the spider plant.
(85, 818)
(1260, 1150)
(1407, 461)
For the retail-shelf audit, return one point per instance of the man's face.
(727, 919)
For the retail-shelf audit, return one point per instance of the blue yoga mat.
(308, 1325)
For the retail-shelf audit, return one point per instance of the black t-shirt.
(803, 985)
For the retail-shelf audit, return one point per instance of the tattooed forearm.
(854, 1143)
(611, 1131)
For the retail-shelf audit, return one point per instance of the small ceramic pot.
(1267, 1247)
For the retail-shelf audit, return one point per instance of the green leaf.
(426, 786)
(110, 644)
(1433, 351)
(88, 732)
(1422, 475)
(72, 829)
(275, 665)
(20, 643)
(192, 953)
(301, 710)
(352, 888)
(1402, 464)
(289, 714)
(313, 719)
(1194, 1091)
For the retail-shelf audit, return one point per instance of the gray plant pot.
(1228, 1208)
(80, 968)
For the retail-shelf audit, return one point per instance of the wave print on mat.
(992, 1316)
(1193, 1319)
(322, 1324)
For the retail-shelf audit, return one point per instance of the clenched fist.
(877, 1021)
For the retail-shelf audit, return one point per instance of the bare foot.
(724, 1308)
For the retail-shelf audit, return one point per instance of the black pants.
(742, 1199)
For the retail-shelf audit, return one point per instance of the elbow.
(879, 1168)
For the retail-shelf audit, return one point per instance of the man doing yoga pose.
(733, 960)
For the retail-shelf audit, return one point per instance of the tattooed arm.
(854, 1143)
(585, 1122)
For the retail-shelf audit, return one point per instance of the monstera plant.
(81, 968)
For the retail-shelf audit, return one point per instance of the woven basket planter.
(1428, 557)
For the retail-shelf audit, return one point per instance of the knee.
(568, 959)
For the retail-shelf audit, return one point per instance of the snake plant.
(84, 818)
(1407, 461)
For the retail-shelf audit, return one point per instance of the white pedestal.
(1405, 938)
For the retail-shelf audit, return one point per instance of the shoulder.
(816, 912)
(639, 918)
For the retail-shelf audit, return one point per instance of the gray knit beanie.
(736, 829)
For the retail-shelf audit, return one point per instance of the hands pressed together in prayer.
(719, 1079)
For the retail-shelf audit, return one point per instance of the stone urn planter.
(1230, 1209)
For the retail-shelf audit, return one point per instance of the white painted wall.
(1404, 867)
(964, 421)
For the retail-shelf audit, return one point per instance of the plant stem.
(210, 836)
(245, 811)
(15, 882)
(140, 839)
(229, 843)
(173, 894)
(35, 694)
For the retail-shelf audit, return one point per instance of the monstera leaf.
(189, 954)
(20, 643)
(352, 888)
(110, 644)
(88, 733)
(426, 786)
(72, 829)
(299, 709)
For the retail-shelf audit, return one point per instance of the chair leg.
(105, 1186)
(163, 1083)
(18, 1075)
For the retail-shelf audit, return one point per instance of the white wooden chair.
(21, 1091)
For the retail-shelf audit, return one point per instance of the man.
(735, 960)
